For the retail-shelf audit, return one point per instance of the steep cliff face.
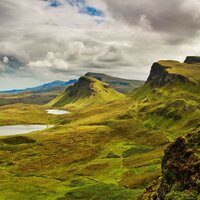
(160, 76)
(170, 101)
(192, 59)
(84, 87)
(181, 167)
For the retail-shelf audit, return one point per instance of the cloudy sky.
(46, 40)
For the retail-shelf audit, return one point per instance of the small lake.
(57, 112)
(21, 129)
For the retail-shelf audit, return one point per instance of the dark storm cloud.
(179, 19)
(6, 10)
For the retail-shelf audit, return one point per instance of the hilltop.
(86, 91)
(192, 59)
(168, 71)
(119, 84)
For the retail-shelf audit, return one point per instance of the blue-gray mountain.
(55, 85)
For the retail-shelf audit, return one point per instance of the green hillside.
(111, 146)
(85, 92)
(37, 95)
(170, 101)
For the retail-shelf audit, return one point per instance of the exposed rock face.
(159, 76)
(180, 167)
(180, 171)
(83, 83)
(192, 59)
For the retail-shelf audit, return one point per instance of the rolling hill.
(85, 92)
(143, 145)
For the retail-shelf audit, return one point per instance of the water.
(21, 129)
(57, 112)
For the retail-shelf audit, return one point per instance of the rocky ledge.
(192, 59)
(159, 76)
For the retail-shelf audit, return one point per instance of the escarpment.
(192, 59)
(160, 76)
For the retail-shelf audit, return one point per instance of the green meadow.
(109, 147)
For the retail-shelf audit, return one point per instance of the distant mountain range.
(45, 93)
(119, 84)
(55, 85)
(37, 95)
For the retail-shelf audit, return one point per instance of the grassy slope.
(28, 98)
(191, 71)
(102, 151)
(86, 92)
(172, 107)
(98, 148)
(25, 114)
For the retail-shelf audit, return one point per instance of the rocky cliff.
(180, 171)
(192, 59)
(160, 76)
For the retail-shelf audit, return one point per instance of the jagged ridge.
(192, 59)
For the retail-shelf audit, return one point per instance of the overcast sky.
(46, 40)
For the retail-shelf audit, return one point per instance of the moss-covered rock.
(180, 171)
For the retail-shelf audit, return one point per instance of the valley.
(109, 145)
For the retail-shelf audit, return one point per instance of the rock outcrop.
(180, 171)
(86, 91)
(159, 76)
(192, 59)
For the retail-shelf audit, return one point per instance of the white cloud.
(5, 60)
(51, 61)
(62, 43)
